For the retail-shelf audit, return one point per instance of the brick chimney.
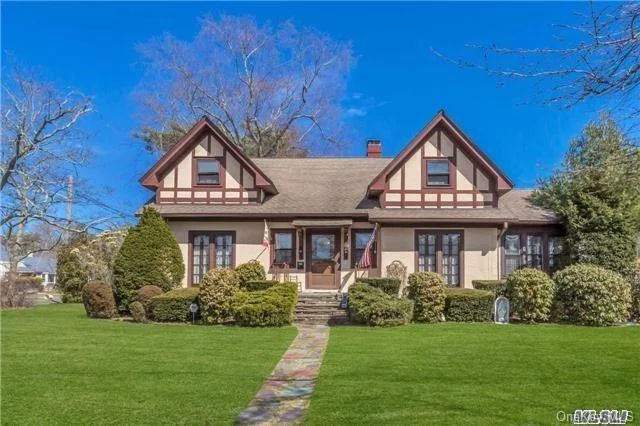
(374, 148)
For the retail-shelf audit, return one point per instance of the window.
(438, 173)
(441, 252)
(210, 250)
(534, 251)
(223, 250)
(451, 259)
(283, 247)
(512, 253)
(208, 172)
(359, 240)
(555, 250)
(426, 252)
(200, 258)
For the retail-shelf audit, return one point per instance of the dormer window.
(438, 173)
(208, 171)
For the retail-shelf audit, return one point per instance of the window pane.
(426, 253)
(555, 250)
(451, 259)
(512, 244)
(224, 247)
(208, 166)
(284, 240)
(361, 239)
(438, 180)
(534, 251)
(438, 167)
(200, 257)
(284, 256)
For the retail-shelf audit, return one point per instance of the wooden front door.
(323, 259)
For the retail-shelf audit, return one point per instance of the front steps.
(320, 308)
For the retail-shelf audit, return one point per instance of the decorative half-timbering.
(440, 168)
(205, 167)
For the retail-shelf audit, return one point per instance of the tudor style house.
(440, 205)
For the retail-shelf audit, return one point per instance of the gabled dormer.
(440, 168)
(205, 167)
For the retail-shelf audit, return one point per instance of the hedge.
(497, 287)
(635, 295)
(174, 305)
(391, 286)
(371, 306)
(251, 271)
(273, 307)
(258, 285)
(98, 300)
(464, 304)
(217, 290)
(426, 289)
(591, 295)
(530, 293)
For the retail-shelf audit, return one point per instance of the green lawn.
(59, 367)
(475, 374)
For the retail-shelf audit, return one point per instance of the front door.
(323, 259)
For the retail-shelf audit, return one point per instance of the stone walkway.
(284, 398)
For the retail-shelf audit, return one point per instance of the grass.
(475, 374)
(59, 367)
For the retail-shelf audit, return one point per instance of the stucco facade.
(440, 205)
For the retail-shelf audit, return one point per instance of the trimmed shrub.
(217, 290)
(497, 287)
(149, 256)
(465, 304)
(173, 306)
(391, 286)
(145, 294)
(591, 295)
(273, 307)
(530, 293)
(426, 289)
(251, 271)
(138, 312)
(258, 285)
(98, 300)
(371, 306)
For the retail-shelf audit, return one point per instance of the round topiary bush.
(98, 300)
(530, 292)
(217, 290)
(149, 256)
(426, 289)
(251, 271)
(145, 294)
(138, 312)
(591, 295)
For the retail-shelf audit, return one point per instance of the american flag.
(365, 260)
(265, 238)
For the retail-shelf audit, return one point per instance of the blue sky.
(396, 86)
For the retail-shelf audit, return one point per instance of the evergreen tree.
(71, 275)
(596, 193)
(149, 256)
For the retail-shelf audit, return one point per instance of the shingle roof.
(316, 187)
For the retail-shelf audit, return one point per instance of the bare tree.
(597, 58)
(273, 91)
(41, 147)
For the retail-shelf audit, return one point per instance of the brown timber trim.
(212, 235)
(438, 233)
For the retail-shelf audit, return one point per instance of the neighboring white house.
(34, 265)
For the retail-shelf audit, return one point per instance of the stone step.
(323, 319)
(319, 308)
